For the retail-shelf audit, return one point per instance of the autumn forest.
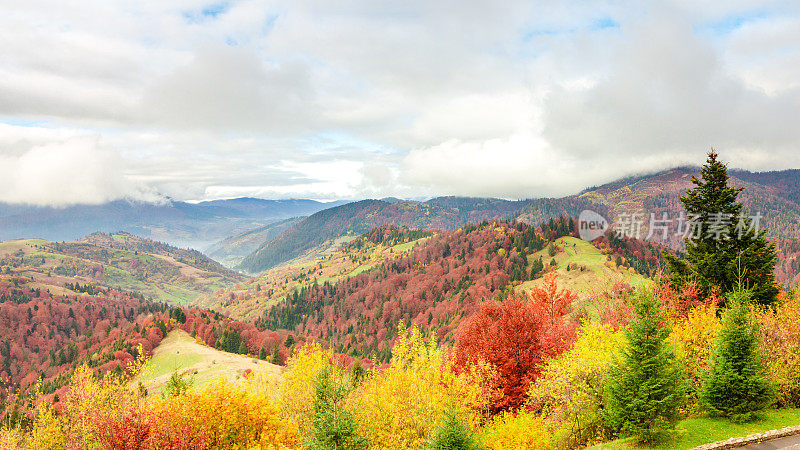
(500, 333)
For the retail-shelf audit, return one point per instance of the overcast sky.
(101, 100)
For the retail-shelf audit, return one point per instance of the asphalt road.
(789, 442)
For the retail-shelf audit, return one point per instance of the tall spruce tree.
(736, 383)
(724, 250)
(644, 391)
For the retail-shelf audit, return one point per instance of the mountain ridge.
(774, 193)
(179, 223)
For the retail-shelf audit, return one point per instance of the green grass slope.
(584, 268)
(180, 353)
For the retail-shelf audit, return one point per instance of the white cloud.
(416, 98)
(512, 167)
(668, 91)
(69, 172)
(229, 89)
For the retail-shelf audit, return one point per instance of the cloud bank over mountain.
(361, 99)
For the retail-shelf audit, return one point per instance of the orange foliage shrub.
(678, 302)
(129, 432)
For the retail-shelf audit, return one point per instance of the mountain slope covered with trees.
(117, 260)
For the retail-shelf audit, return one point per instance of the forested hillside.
(248, 299)
(120, 261)
(46, 336)
(436, 285)
(232, 250)
(772, 194)
(444, 213)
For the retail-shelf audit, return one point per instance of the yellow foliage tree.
(90, 398)
(12, 438)
(780, 334)
(89, 402)
(400, 406)
(695, 338)
(228, 415)
(47, 430)
(569, 391)
(297, 389)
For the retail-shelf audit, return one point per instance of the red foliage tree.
(516, 336)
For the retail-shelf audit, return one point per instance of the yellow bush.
(297, 389)
(12, 439)
(695, 338)
(780, 332)
(526, 430)
(400, 406)
(229, 415)
(570, 388)
(47, 431)
(89, 398)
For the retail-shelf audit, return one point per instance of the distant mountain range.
(774, 194)
(178, 223)
(232, 250)
(254, 235)
(446, 213)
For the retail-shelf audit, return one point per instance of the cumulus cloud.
(70, 172)
(230, 89)
(357, 98)
(511, 167)
(667, 91)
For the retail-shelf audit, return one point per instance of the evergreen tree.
(736, 383)
(276, 355)
(536, 267)
(357, 373)
(643, 391)
(723, 251)
(453, 434)
(262, 354)
(177, 385)
(334, 425)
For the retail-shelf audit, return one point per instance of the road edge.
(751, 438)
